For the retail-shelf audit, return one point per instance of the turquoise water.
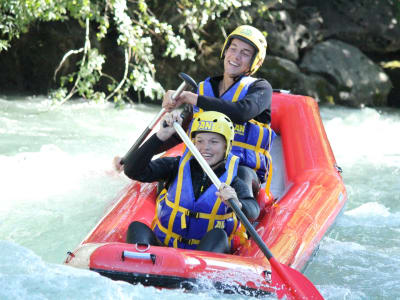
(56, 182)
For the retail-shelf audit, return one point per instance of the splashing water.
(57, 181)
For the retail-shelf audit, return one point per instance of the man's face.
(238, 58)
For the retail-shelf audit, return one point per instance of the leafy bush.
(141, 25)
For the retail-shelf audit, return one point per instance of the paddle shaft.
(153, 123)
(287, 282)
(215, 180)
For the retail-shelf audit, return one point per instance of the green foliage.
(143, 27)
(396, 4)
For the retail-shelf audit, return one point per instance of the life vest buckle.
(192, 214)
(186, 241)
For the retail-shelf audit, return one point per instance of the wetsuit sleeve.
(250, 207)
(139, 166)
(255, 105)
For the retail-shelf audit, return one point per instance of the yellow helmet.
(252, 36)
(213, 121)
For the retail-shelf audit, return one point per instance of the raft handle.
(141, 244)
(136, 255)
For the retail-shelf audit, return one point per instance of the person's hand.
(227, 192)
(167, 131)
(117, 164)
(168, 102)
(185, 97)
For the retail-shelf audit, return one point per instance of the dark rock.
(394, 95)
(284, 74)
(359, 80)
(370, 25)
(283, 35)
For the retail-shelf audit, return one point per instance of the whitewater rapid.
(57, 181)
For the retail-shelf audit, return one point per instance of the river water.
(56, 182)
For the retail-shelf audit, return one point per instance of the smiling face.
(237, 58)
(212, 146)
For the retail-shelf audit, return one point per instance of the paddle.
(287, 281)
(187, 82)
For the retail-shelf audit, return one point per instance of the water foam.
(363, 136)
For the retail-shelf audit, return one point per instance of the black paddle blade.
(189, 80)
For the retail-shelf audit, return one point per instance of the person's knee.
(140, 233)
(137, 227)
(216, 240)
(218, 234)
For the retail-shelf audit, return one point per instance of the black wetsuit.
(139, 166)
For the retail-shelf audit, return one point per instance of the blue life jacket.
(181, 220)
(253, 140)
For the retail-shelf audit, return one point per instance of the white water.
(56, 182)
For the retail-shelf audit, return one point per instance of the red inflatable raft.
(308, 196)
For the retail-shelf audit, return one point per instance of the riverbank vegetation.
(140, 26)
(118, 50)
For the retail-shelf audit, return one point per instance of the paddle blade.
(292, 284)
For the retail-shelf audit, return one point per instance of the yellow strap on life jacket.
(218, 202)
(235, 96)
(176, 237)
(201, 92)
(238, 91)
(186, 212)
(269, 176)
(269, 158)
(160, 197)
(250, 147)
(177, 197)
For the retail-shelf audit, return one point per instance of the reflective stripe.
(238, 91)
(258, 146)
(201, 88)
(229, 179)
(177, 197)
(218, 202)
(199, 215)
(250, 147)
(201, 92)
(176, 237)
(269, 176)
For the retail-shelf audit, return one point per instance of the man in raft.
(191, 213)
(246, 100)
